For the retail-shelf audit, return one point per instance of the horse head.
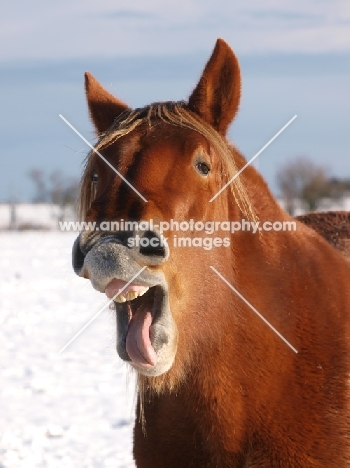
(175, 154)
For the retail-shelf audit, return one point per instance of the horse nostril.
(151, 244)
(77, 256)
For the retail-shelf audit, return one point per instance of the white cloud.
(37, 29)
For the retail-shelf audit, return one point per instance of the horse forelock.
(173, 113)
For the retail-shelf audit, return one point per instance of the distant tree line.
(299, 180)
(304, 180)
(55, 188)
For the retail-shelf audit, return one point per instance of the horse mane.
(173, 113)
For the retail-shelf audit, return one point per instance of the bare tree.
(63, 191)
(304, 180)
(55, 188)
(39, 180)
(339, 188)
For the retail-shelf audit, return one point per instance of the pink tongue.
(138, 343)
(116, 285)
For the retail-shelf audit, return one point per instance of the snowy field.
(70, 410)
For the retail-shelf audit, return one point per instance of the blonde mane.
(173, 113)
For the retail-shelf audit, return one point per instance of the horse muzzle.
(146, 331)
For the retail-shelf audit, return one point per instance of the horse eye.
(203, 168)
(94, 178)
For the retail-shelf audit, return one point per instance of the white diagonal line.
(101, 310)
(254, 309)
(104, 159)
(253, 158)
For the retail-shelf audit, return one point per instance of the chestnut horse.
(218, 387)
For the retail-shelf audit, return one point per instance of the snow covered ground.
(70, 410)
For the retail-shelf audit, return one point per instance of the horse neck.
(239, 350)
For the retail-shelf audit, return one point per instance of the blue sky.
(295, 60)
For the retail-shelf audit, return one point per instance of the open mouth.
(147, 334)
(138, 309)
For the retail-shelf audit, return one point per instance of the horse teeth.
(141, 293)
(130, 296)
(120, 298)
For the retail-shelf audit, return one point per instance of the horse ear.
(103, 106)
(217, 95)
